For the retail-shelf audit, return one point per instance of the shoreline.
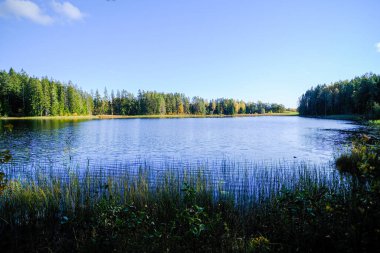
(170, 116)
(352, 117)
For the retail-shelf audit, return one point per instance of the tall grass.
(245, 181)
(237, 207)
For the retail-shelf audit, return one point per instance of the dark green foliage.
(87, 215)
(363, 160)
(362, 163)
(5, 156)
(360, 95)
(21, 95)
(318, 220)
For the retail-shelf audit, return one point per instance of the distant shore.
(353, 117)
(171, 116)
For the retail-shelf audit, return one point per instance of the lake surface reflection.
(190, 140)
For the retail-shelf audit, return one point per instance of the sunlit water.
(189, 140)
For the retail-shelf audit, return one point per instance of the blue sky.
(252, 50)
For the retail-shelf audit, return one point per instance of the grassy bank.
(93, 212)
(145, 116)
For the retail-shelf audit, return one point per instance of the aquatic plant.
(139, 211)
(362, 160)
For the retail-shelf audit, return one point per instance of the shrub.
(363, 160)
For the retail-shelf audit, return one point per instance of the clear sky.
(270, 50)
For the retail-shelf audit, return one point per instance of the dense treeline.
(22, 95)
(360, 95)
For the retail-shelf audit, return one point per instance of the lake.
(113, 141)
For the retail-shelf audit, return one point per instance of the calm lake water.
(108, 142)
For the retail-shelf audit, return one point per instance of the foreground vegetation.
(300, 209)
(359, 96)
(236, 208)
(22, 95)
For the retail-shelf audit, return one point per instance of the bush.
(363, 160)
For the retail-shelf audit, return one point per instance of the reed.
(239, 207)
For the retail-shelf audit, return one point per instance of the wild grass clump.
(363, 159)
(275, 210)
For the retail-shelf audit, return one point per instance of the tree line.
(360, 95)
(23, 95)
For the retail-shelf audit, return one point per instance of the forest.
(360, 95)
(24, 95)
